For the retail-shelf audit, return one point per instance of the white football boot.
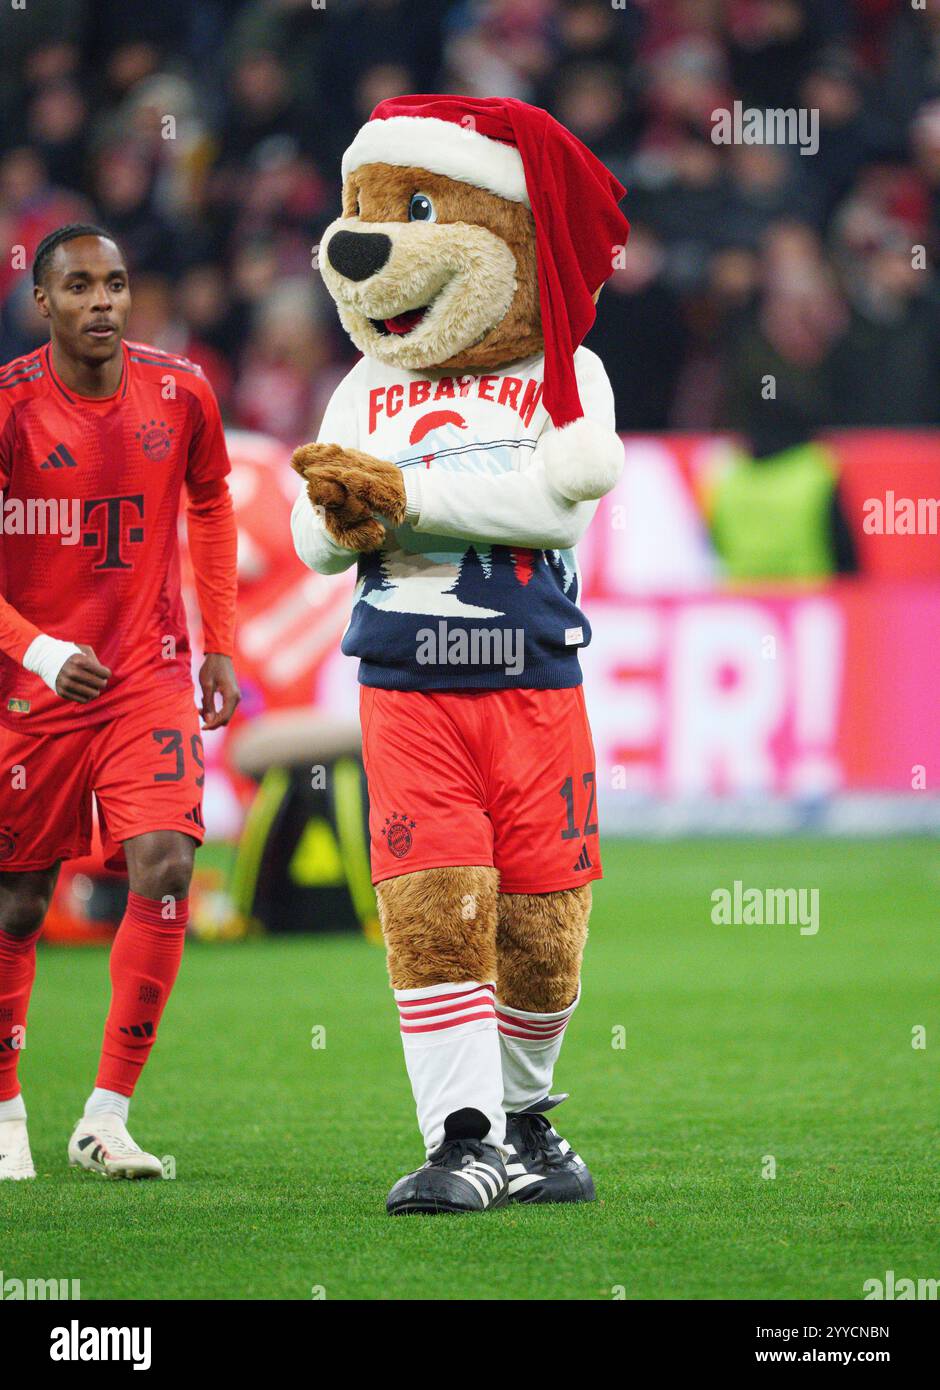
(102, 1144)
(16, 1161)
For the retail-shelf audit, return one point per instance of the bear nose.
(357, 255)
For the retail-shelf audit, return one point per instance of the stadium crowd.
(208, 136)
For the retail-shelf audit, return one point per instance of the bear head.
(429, 271)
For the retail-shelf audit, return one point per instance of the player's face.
(86, 297)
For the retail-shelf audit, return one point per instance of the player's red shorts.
(144, 768)
(496, 777)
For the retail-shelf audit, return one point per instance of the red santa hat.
(523, 154)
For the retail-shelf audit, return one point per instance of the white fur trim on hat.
(583, 460)
(442, 147)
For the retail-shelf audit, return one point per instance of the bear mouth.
(400, 324)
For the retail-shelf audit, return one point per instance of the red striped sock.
(529, 1045)
(451, 1047)
(17, 972)
(145, 960)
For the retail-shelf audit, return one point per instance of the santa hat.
(523, 154)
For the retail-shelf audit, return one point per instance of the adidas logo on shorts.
(584, 860)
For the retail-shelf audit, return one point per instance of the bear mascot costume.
(458, 464)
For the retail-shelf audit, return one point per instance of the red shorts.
(503, 778)
(144, 768)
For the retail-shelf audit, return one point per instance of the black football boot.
(464, 1174)
(541, 1166)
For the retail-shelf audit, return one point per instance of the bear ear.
(583, 460)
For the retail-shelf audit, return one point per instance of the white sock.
(14, 1109)
(529, 1045)
(452, 1054)
(107, 1103)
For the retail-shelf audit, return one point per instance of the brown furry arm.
(349, 487)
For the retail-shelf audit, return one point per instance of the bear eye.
(421, 209)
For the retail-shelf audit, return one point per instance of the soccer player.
(97, 438)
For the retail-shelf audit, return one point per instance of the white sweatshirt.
(487, 544)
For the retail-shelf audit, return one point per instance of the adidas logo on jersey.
(584, 860)
(59, 458)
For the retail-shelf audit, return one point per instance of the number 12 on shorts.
(566, 791)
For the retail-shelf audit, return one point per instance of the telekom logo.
(114, 519)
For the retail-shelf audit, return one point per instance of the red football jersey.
(89, 524)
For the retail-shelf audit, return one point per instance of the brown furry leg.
(439, 926)
(540, 941)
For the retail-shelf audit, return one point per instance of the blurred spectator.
(912, 71)
(768, 186)
(886, 366)
(161, 116)
(261, 103)
(774, 510)
(284, 362)
(123, 183)
(639, 336)
(713, 315)
(280, 196)
(587, 30)
(776, 515)
(926, 142)
(56, 129)
(166, 321)
(590, 100)
(849, 132)
(203, 299)
(30, 206)
(683, 192)
(781, 348)
(500, 47)
(40, 44)
(771, 42)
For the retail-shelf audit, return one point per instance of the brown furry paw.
(350, 487)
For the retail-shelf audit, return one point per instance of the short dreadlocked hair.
(49, 244)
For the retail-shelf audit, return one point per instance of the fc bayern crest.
(155, 439)
(7, 842)
(398, 837)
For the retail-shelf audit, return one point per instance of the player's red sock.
(17, 972)
(145, 959)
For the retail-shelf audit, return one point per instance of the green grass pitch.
(741, 1042)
